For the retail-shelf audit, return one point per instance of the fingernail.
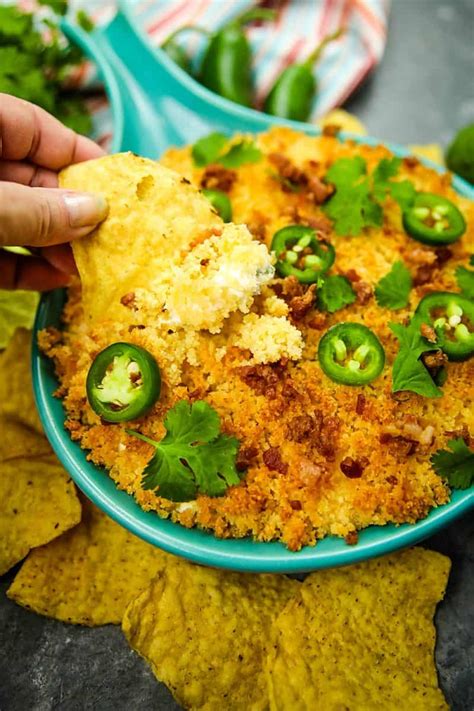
(85, 209)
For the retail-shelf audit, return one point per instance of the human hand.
(33, 211)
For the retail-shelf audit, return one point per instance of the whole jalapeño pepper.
(292, 94)
(123, 382)
(226, 65)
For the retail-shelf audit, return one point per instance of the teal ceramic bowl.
(144, 91)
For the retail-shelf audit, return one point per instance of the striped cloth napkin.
(298, 28)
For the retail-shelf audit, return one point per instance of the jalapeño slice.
(299, 253)
(351, 354)
(452, 317)
(220, 202)
(434, 220)
(123, 382)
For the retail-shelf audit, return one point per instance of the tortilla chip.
(432, 151)
(18, 440)
(155, 215)
(16, 388)
(361, 637)
(203, 632)
(38, 502)
(344, 120)
(89, 575)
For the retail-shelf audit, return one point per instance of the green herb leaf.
(334, 293)
(351, 208)
(210, 149)
(393, 290)
(84, 21)
(409, 372)
(457, 465)
(465, 280)
(356, 203)
(193, 457)
(240, 153)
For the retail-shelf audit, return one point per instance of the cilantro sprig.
(334, 293)
(214, 149)
(35, 60)
(193, 457)
(357, 201)
(393, 290)
(456, 464)
(409, 372)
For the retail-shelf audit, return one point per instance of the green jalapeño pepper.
(299, 253)
(452, 317)
(220, 202)
(174, 50)
(433, 219)
(227, 62)
(351, 354)
(123, 382)
(293, 93)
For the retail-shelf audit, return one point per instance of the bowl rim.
(203, 547)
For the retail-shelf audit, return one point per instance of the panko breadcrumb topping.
(320, 458)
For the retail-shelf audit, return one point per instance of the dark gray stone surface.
(422, 92)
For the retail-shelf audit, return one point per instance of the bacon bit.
(325, 434)
(428, 332)
(311, 185)
(434, 360)
(318, 321)
(272, 459)
(286, 169)
(351, 538)
(300, 305)
(296, 505)
(287, 288)
(360, 404)
(427, 435)
(405, 445)
(352, 275)
(331, 130)
(245, 457)
(363, 290)
(204, 262)
(411, 162)
(288, 391)
(128, 300)
(423, 275)
(443, 255)
(300, 427)
(216, 177)
(317, 190)
(353, 468)
(392, 480)
(262, 378)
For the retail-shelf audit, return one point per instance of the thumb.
(38, 217)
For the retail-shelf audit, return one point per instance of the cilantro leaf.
(356, 201)
(334, 292)
(240, 153)
(210, 149)
(351, 208)
(403, 192)
(394, 288)
(408, 371)
(465, 280)
(193, 457)
(207, 149)
(457, 465)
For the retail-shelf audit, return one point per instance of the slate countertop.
(421, 93)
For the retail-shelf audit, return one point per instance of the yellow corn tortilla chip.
(18, 440)
(345, 120)
(90, 574)
(155, 215)
(38, 502)
(432, 151)
(361, 638)
(203, 632)
(16, 389)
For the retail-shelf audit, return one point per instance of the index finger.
(30, 133)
